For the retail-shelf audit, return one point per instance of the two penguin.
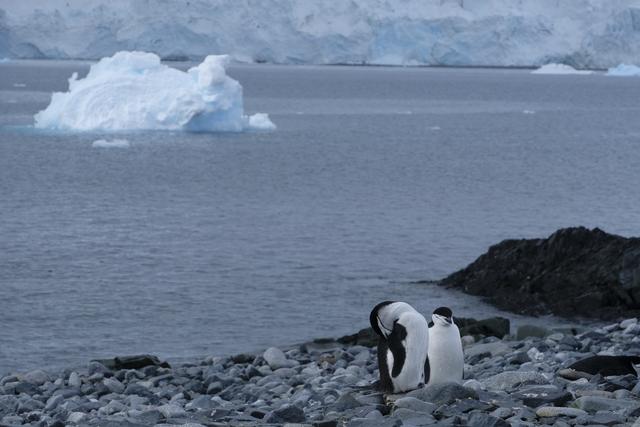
(412, 352)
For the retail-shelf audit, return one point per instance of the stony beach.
(509, 381)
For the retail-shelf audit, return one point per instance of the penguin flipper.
(427, 371)
(398, 334)
(385, 383)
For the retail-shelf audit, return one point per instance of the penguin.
(445, 356)
(402, 346)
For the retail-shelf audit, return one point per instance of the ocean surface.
(185, 244)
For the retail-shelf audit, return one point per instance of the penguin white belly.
(408, 374)
(446, 359)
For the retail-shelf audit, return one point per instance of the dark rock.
(526, 331)
(519, 358)
(478, 419)
(325, 423)
(543, 395)
(132, 362)
(285, 414)
(606, 365)
(345, 402)
(366, 337)
(574, 272)
(243, 358)
(492, 327)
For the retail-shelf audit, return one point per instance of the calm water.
(191, 244)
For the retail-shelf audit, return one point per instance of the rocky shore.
(510, 381)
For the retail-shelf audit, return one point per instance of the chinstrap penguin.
(445, 356)
(402, 346)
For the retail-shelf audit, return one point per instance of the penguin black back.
(607, 365)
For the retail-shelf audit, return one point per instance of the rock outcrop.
(576, 272)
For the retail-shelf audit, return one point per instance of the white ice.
(135, 91)
(624, 70)
(559, 69)
(115, 143)
(585, 33)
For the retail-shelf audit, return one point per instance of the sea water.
(184, 244)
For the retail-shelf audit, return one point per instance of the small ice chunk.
(559, 69)
(19, 85)
(135, 91)
(261, 121)
(528, 112)
(624, 70)
(115, 143)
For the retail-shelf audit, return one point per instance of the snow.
(580, 33)
(624, 70)
(559, 69)
(134, 91)
(115, 143)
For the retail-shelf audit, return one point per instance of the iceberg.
(135, 91)
(624, 70)
(559, 69)
(115, 143)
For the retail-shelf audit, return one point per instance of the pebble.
(520, 381)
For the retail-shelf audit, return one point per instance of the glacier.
(624, 70)
(135, 91)
(531, 33)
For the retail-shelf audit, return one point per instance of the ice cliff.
(135, 91)
(580, 33)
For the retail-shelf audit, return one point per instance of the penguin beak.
(449, 320)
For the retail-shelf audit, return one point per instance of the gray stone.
(413, 418)
(552, 411)
(171, 410)
(37, 377)
(375, 422)
(97, 368)
(286, 413)
(543, 395)
(53, 402)
(74, 380)
(276, 359)
(508, 380)
(445, 393)
(526, 331)
(113, 385)
(497, 348)
(595, 403)
(8, 405)
(345, 402)
(414, 404)
(607, 419)
(478, 419)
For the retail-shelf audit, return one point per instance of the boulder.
(132, 362)
(491, 327)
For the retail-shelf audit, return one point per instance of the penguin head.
(442, 316)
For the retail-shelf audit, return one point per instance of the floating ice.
(135, 91)
(624, 70)
(115, 143)
(559, 69)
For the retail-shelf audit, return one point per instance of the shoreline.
(327, 382)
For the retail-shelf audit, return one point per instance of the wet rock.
(414, 404)
(132, 362)
(8, 405)
(346, 402)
